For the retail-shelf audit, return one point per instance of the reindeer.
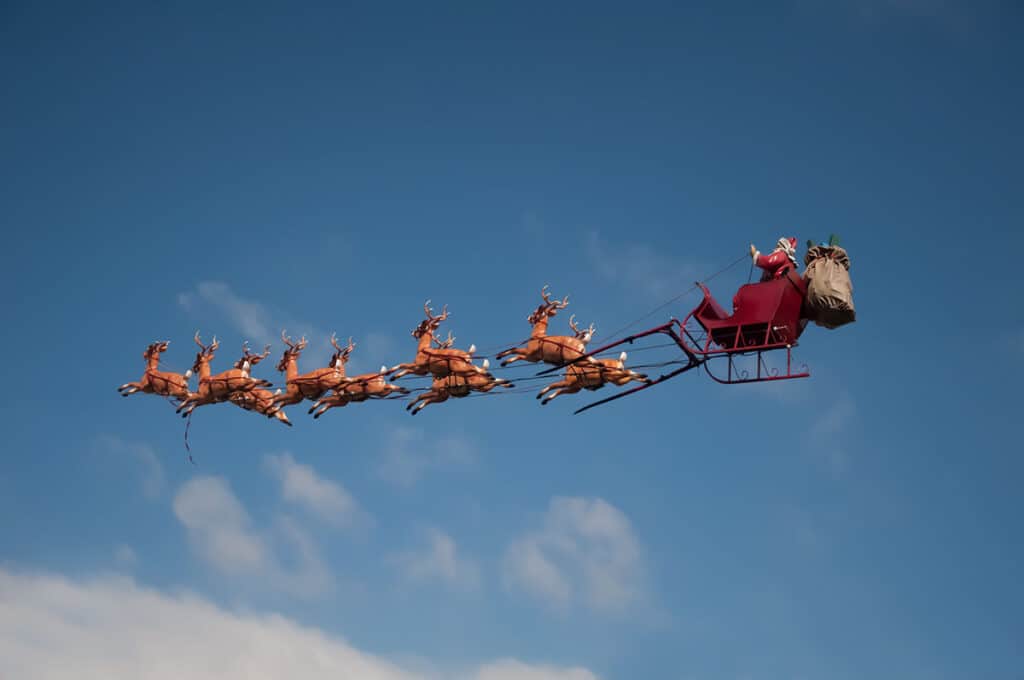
(258, 399)
(440, 361)
(217, 388)
(456, 387)
(552, 349)
(358, 389)
(592, 376)
(155, 381)
(315, 384)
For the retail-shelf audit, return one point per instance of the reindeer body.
(215, 389)
(551, 349)
(155, 381)
(260, 401)
(315, 384)
(592, 375)
(357, 389)
(456, 387)
(438, 361)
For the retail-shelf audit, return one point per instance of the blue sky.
(240, 170)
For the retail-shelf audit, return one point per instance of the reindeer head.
(205, 353)
(431, 323)
(340, 356)
(292, 353)
(548, 308)
(155, 349)
(249, 359)
(585, 335)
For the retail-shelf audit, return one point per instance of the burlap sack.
(829, 299)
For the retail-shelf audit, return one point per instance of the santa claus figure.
(778, 262)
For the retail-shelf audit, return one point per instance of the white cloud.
(114, 629)
(408, 453)
(300, 484)
(640, 268)
(221, 534)
(585, 551)
(439, 560)
(252, 319)
(510, 669)
(152, 471)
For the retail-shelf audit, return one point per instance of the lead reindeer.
(155, 381)
(552, 349)
(457, 387)
(214, 389)
(592, 376)
(317, 383)
(438, 362)
(258, 400)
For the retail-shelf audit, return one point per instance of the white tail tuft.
(622, 357)
(383, 370)
(472, 348)
(487, 363)
(188, 374)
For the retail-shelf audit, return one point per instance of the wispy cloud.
(407, 454)
(113, 628)
(143, 456)
(252, 319)
(221, 534)
(324, 498)
(826, 436)
(439, 560)
(640, 267)
(585, 551)
(125, 556)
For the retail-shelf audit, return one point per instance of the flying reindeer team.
(453, 373)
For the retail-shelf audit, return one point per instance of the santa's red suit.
(779, 261)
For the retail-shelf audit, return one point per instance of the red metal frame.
(766, 317)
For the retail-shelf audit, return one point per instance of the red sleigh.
(767, 317)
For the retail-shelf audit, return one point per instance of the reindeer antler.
(334, 341)
(444, 344)
(573, 326)
(286, 340)
(430, 313)
(557, 304)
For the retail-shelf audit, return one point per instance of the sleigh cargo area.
(829, 300)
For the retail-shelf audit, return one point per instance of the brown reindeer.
(552, 349)
(456, 387)
(315, 384)
(214, 389)
(155, 381)
(440, 361)
(258, 399)
(592, 376)
(358, 389)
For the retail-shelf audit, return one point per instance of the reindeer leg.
(427, 401)
(129, 388)
(520, 354)
(561, 390)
